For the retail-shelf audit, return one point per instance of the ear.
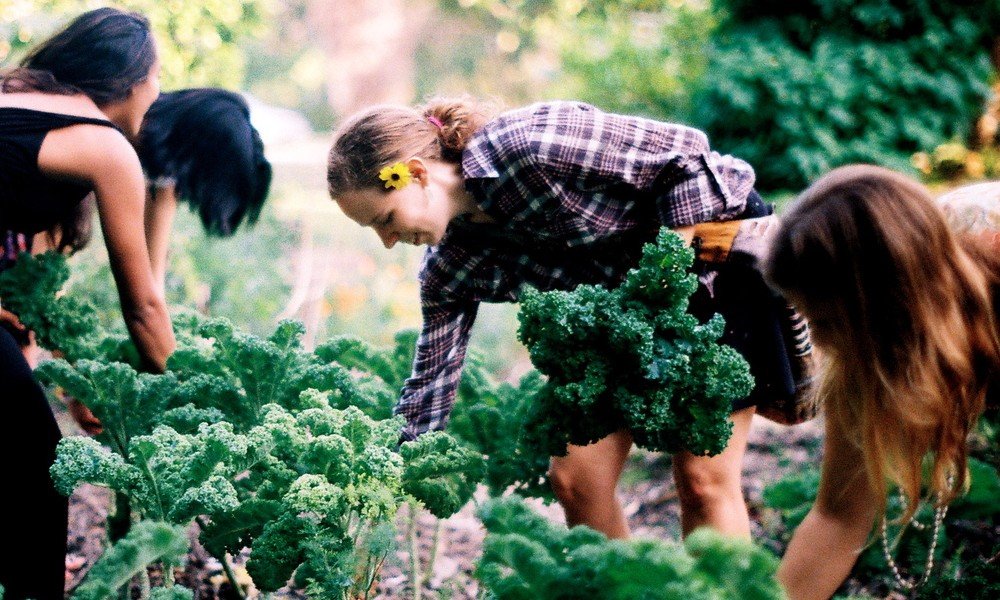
(418, 170)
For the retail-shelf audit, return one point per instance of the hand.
(84, 418)
(11, 323)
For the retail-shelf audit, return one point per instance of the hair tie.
(435, 121)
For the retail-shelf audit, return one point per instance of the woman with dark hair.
(66, 118)
(198, 146)
(903, 312)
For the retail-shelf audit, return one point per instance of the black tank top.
(31, 202)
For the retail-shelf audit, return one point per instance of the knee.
(573, 488)
(699, 488)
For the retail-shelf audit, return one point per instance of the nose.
(389, 239)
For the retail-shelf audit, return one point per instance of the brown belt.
(714, 240)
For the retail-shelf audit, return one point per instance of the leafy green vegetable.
(146, 543)
(632, 358)
(979, 580)
(526, 556)
(30, 289)
(440, 472)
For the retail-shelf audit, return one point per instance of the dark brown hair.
(102, 53)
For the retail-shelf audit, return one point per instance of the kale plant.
(30, 289)
(488, 417)
(261, 443)
(967, 537)
(632, 358)
(525, 556)
(148, 542)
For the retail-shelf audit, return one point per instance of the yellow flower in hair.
(395, 176)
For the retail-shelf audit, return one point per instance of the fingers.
(10, 319)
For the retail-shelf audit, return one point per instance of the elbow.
(144, 311)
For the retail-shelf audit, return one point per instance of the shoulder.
(519, 135)
(88, 152)
(59, 104)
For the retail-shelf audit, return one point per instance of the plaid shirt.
(574, 192)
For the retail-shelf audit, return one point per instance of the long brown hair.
(385, 134)
(904, 317)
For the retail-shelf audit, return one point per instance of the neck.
(460, 201)
(117, 114)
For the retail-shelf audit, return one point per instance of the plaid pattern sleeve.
(437, 367)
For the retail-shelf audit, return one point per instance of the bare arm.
(104, 158)
(826, 545)
(161, 207)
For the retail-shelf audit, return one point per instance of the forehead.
(365, 205)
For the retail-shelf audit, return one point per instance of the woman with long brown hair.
(902, 312)
(66, 119)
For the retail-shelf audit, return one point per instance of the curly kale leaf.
(331, 478)
(171, 593)
(526, 556)
(239, 374)
(979, 580)
(83, 460)
(128, 403)
(632, 358)
(492, 419)
(167, 475)
(440, 473)
(191, 475)
(30, 289)
(278, 551)
(147, 542)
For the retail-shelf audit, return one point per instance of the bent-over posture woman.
(65, 118)
(198, 146)
(552, 195)
(903, 312)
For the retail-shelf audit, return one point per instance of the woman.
(182, 139)
(903, 312)
(65, 119)
(553, 195)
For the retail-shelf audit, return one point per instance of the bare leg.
(709, 486)
(585, 481)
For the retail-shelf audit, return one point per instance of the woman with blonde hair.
(902, 311)
(552, 195)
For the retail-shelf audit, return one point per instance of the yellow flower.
(395, 176)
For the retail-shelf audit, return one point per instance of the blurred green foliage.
(241, 278)
(632, 56)
(795, 89)
(799, 91)
(199, 41)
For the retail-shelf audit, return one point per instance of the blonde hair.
(904, 317)
(385, 134)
